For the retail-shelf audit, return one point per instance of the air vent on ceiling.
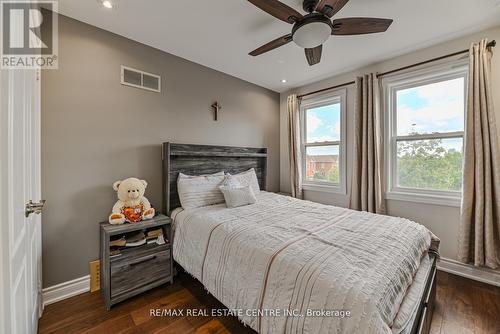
(140, 79)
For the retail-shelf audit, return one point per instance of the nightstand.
(129, 271)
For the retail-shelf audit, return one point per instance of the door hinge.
(34, 207)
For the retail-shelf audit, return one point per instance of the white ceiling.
(220, 33)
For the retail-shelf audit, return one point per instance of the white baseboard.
(484, 275)
(65, 290)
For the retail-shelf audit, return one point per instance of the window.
(323, 142)
(425, 132)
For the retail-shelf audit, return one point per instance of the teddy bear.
(132, 206)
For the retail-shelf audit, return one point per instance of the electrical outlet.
(95, 275)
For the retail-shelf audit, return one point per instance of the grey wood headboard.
(207, 159)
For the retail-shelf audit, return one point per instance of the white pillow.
(198, 191)
(248, 178)
(231, 182)
(238, 196)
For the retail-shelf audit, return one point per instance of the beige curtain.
(367, 182)
(294, 146)
(480, 217)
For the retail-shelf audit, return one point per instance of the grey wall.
(442, 220)
(96, 131)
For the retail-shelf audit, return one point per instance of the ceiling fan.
(312, 30)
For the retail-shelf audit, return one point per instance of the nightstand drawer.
(139, 271)
(131, 254)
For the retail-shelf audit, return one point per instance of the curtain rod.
(489, 45)
(327, 88)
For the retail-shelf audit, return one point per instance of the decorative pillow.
(231, 182)
(198, 191)
(248, 178)
(238, 196)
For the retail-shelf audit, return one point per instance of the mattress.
(411, 302)
(291, 266)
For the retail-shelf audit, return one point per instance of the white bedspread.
(287, 254)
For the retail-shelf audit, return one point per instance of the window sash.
(436, 135)
(335, 97)
(318, 104)
(323, 143)
(391, 85)
(396, 187)
(323, 182)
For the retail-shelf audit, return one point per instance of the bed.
(284, 265)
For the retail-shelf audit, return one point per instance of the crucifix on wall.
(216, 107)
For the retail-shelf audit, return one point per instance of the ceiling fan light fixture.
(312, 31)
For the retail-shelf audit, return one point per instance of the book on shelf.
(118, 242)
(136, 243)
(137, 239)
(155, 233)
(114, 253)
(134, 237)
(160, 240)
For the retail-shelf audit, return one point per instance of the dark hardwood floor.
(463, 306)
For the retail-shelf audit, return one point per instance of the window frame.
(333, 97)
(391, 85)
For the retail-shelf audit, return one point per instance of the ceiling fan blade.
(331, 7)
(314, 55)
(278, 10)
(272, 45)
(359, 25)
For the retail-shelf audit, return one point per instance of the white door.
(20, 237)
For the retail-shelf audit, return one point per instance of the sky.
(323, 124)
(437, 107)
